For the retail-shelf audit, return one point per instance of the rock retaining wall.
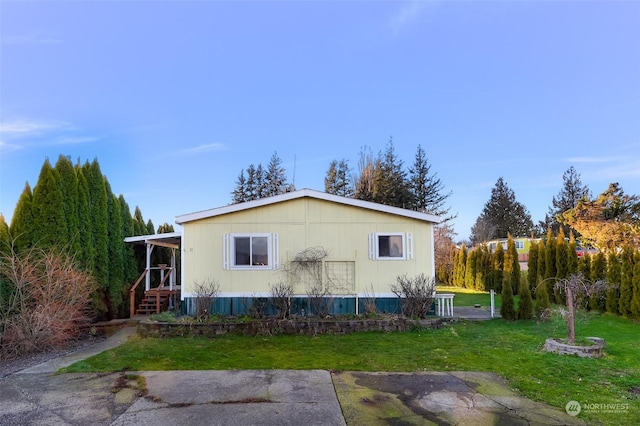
(147, 328)
(594, 351)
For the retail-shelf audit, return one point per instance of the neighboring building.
(523, 245)
(359, 248)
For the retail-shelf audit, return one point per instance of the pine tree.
(364, 181)
(507, 310)
(139, 226)
(572, 191)
(635, 299)
(130, 267)
(261, 185)
(542, 265)
(613, 278)
(482, 268)
(275, 178)
(503, 214)
(511, 265)
(49, 224)
(21, 223)
(338, 181)
(626, 281)
(5, 239)
(598, 272)
(150, 228)
(426, 188)
(390, 186)
(240, 191)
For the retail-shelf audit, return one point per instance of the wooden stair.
(150, 305)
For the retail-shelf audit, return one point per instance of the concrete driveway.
(37, 396)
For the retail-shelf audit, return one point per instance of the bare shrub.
(255, 306)
(369, 302)
(206, 293)
(281, 298)
(417, 294)
(320, 298)
(46, 300)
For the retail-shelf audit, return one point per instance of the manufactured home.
(343, 247)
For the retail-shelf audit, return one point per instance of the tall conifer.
(68, 182)
(532, 266)
(613, 278)
(507, 310)
(115, 253)
(49, 224)
(626, 281)
(21, 227)
(635, 299)
(598, 272)
(512, 265)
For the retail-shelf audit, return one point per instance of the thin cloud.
(408, 13)
(19, 128)
(6, 148)
(593, 159)
(74, 140)
(204, 148)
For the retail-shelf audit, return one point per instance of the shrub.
(46, 301)
(417, 294)
(206, 293)
(281, 298)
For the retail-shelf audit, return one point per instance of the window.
(390, 246)
(250, 251)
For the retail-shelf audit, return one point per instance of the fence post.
(493, 306)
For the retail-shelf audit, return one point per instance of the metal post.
(493, 293)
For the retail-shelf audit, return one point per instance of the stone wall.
(270, 327)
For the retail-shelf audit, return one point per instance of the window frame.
(374, 246)
(230, 251)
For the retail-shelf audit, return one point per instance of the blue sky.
(175, 98)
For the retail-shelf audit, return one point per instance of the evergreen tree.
(150, 228)
(504, 214)
(99, 230)
(507, 310)
(562, 266)
(584, 266)
(572, 259)
(542, 298)
(338, 181)
(635, 299)
(572, 191)
(275, 178)
(511, 265)
(498, 268)
(139, 226)
(542, 265)
(626, 281)
(116, 254)
(49, 224)
(550, 261)
(21, 223)
(68, 183)
(252, 190)
(5, 239)
(460, 267)
(614, 273)
(86, 256)
(129, 261)
(525, 305)
(471, 269)
(598, 272)
(240, 191)
(426, 188)
(261, 184)
(482, 268)
(390, 186)
(532, 266)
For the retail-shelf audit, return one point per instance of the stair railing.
(132, 295)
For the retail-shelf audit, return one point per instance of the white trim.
(376, 238)
(410, 246)
(276, 251)
(433, 253)
(372, 247)
(232, 208)
(228, 255)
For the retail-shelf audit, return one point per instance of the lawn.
(512, 350)
(467, 297)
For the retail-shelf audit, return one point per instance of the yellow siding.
(343, 231)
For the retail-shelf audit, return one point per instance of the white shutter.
(225, 252)
(409, 246)
(276, 251)
(372, 246)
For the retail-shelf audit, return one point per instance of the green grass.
(512, 350)
(467, 297)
